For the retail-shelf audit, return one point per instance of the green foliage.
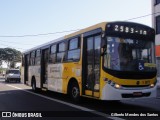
(10, 56)
(2, 70)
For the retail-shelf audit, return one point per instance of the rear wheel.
(74, 92)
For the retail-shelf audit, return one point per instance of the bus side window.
(32, 58)
(74, 50)
(52, 57)
(61, 52)
(38, 57)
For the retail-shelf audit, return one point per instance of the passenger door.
(44, 68)
(91, 65)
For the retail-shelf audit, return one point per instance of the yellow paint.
(149, 65)
(88, 92)
(71, 72)
(96, 94)
(92, 94)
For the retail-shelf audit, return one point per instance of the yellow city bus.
(107, 61)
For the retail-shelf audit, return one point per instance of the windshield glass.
(13, 72)
(128, 54)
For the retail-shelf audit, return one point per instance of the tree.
(10, 56)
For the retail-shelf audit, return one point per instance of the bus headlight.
(152, 85)
(113, 84)
(117, 86)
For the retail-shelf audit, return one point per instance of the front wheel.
(74, 92)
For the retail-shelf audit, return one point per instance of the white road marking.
(71, 105)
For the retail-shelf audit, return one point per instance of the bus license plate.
(137, 94)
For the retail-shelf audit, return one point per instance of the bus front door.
(91, 65)
(44, 68)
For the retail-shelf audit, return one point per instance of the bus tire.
(74, 92)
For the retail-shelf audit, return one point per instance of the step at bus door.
(91, 65)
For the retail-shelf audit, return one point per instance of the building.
(156, 25)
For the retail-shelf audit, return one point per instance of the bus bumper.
(111, 93)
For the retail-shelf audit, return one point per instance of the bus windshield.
(128, 54)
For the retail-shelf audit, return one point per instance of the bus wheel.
(74, 92)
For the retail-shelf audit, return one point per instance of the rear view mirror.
(104, 46)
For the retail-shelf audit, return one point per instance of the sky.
(34, 17)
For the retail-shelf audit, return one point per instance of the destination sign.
(126, 29)
(130, 30)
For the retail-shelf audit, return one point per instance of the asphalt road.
(19, 98)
